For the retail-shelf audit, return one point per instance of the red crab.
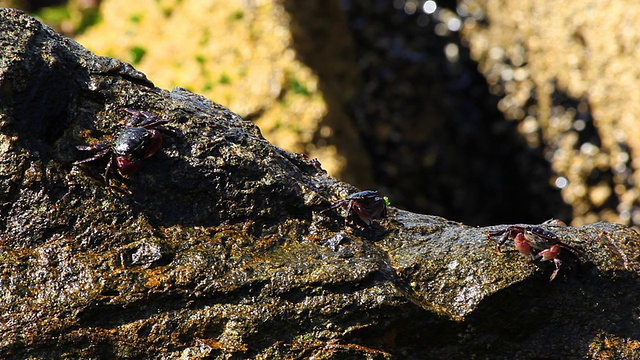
(137, 141)
(538, 243)
(368, 205)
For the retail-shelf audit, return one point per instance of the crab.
(368, 205)
(537, 243)
(139, 140)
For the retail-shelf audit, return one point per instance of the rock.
(220, 246)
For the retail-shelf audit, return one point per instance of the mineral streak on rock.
(218, 246)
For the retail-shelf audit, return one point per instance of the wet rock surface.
(218, 246)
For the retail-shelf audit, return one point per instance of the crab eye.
(386, 201)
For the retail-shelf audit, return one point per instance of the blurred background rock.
(479, 111)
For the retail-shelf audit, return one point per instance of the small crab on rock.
(537, 243)
(139, 140)
(368, 205)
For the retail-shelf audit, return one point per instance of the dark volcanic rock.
(218, 246)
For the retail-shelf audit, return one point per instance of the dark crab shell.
(368, 205)
(138, 141)
(131, 142)
(365, 195)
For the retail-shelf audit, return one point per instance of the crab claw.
(521, 243)
(126, 166)
(550, 253)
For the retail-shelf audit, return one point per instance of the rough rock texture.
(219, 248)
(567, 73)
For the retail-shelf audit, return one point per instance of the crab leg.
(97, 156)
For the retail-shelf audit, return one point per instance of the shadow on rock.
(516, 319)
